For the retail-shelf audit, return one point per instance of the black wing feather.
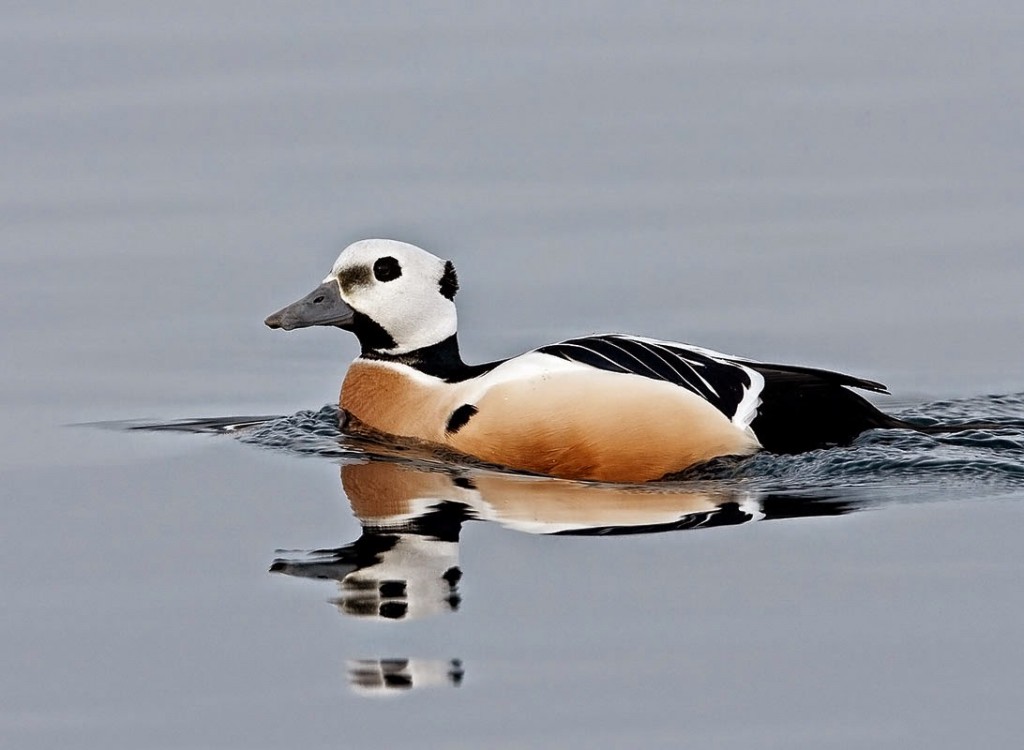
(578, 350)
(797, 374)
(721, 383)
(631, 359)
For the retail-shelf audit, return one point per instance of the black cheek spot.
(449, 283)
(459, 418)
(353, 277)
(386, 269)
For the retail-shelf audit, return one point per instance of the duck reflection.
(406, 562)
(385, 676)
(405, 568)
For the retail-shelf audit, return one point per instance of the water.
(878, 457)
(836, 187)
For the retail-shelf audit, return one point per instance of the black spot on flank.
(459, 418)
(386, 269)
(464, 483)
(449, 283)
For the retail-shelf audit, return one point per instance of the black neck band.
(441, 360)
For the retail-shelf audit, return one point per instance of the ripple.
(307, 432)
(992, 456)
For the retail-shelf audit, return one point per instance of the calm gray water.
(797, 181)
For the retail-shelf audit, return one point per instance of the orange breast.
(387, 401)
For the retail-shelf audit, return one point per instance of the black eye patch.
(386, 269)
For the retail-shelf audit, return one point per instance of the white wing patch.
(526, 367)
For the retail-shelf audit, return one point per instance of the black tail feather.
(799, 420)
(804, 409)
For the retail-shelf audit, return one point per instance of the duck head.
(395, 297)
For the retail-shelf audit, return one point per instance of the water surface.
(836, 187)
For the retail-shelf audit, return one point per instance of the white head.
(396, 297)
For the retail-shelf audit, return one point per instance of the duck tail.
(803, 409)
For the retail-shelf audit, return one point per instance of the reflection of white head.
(401, 288)
(416, 577)
(382, 677)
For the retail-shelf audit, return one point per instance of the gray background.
(837, 186)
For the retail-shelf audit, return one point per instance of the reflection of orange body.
(385, 494)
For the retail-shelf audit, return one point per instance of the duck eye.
(386, 269)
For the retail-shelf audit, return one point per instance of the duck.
(606, 407)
